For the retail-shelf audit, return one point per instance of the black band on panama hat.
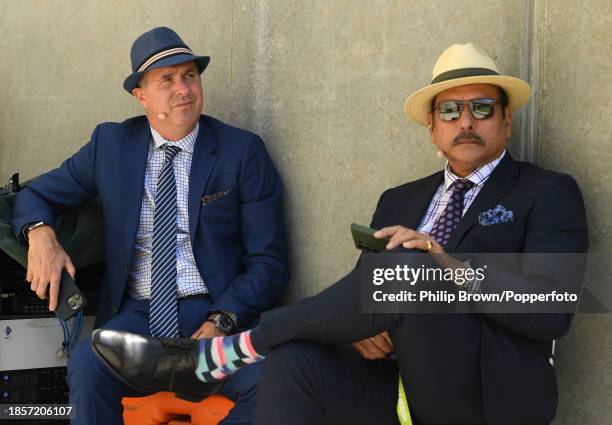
(157, 48)
(460, 73)
(459, 65)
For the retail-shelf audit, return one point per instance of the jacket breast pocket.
(502, 237)
(215, 197)
(500, 228)
(220, 207)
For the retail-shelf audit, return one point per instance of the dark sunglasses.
(481, 109)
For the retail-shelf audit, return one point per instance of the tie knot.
(462, 185)
(170, 151)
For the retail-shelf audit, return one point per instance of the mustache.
(469, 135)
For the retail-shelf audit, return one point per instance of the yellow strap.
(403, 412)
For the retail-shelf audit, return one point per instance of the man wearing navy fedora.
(195, 245)
(478, 367)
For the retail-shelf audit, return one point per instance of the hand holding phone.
(363, 236)
(70, 299)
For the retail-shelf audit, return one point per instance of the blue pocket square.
(497, 215)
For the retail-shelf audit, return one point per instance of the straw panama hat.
(459, 65)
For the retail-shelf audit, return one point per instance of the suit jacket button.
(115, 309)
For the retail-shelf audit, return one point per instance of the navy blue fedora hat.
(156, 48)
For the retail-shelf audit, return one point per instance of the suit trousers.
(305, 383)
(96, 393)
(438, 356)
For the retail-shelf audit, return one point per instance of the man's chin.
(470, 156)
(185, 121)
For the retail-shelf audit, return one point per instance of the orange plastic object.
(166, 409)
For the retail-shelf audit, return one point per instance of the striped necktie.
(163, 305)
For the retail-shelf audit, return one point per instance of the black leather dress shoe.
(153, 364)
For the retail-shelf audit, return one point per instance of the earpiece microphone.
(162, 115)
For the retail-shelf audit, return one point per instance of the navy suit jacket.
(518, 381)
(238, 238)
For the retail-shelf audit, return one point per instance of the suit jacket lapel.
(499, 182)
(134, 152)
(202, 163)
(420, 200)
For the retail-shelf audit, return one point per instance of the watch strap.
(31, 226)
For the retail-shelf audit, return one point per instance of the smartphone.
(364, 238)
(70, 299)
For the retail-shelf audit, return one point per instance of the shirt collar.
(479, 176)
(186, 143)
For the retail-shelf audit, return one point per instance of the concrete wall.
(327, 83)
(575, 136)
(323, 82)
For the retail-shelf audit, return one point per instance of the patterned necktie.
(163, 306)
(451, 216)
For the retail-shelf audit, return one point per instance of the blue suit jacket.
(238, 239)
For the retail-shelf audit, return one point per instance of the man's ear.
(430, 127)
(139, 94)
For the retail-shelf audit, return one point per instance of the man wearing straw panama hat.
(194, 237)
(476, 367)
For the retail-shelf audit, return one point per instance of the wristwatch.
(472, 285)
(224, 321)
(31, 226)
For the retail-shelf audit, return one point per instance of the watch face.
(225, 324)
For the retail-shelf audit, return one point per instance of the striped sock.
(224, 355)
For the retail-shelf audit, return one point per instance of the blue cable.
(71, 336)
(65, 333)
(77, 330)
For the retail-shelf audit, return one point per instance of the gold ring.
(429, 245)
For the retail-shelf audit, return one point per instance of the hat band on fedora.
(461, 73)
(161, 55)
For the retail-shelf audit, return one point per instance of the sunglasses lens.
(482, 108)
(450, 110)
